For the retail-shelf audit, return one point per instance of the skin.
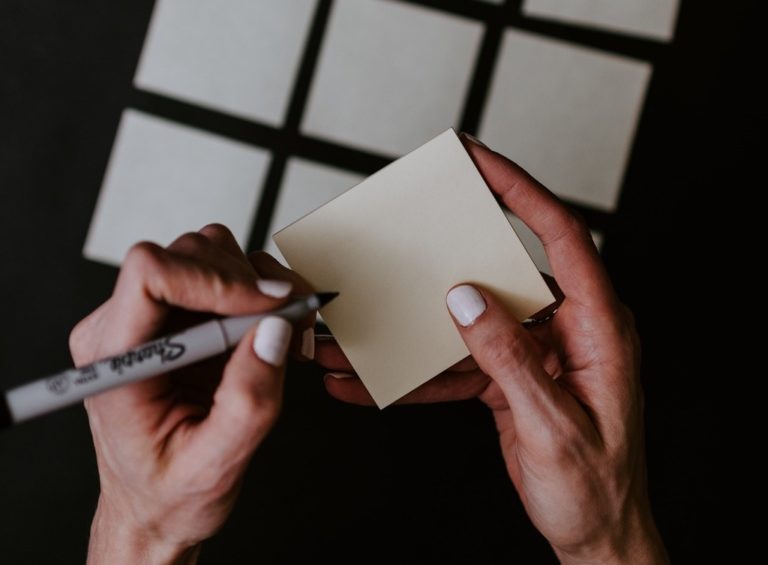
(565, 394)
(172, 450)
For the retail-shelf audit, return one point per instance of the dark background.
(420, 484)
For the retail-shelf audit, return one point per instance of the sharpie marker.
(142, 362)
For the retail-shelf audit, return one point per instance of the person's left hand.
(565, 395)
(172, 450)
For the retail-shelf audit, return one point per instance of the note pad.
(165, 179)
(306, 186)
(393, 246)
(566, 113)
(649, 18)
(237, 56)
(390, 75)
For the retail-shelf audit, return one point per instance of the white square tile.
(648, 18)
(390, 75)
(237, 56)
(165, 179)
(534, 246)
(306, 186)
(565, 113)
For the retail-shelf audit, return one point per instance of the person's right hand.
(565, 394)
(172, 450)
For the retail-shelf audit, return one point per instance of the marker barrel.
(159, 356)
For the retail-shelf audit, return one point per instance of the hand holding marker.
(144, 361)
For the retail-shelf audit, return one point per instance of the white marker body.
(148, 360)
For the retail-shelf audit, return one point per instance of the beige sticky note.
(393, 246)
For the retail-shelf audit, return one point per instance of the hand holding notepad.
(392, 246)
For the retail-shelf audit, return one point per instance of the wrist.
(115, 541)
(637, 542)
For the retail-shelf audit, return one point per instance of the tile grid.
(287, 141)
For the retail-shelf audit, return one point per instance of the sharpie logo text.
(164, 348)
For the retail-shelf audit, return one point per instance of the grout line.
(213, 121)
(472, 9)
(258, 134)
(485, 64)
(279, 142)
(510, 15)
(290, 131)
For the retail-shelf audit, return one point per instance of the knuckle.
(570, 224)
(190, 243)
(506, 350)
(144, 257)
(78, 339)
(215, 230)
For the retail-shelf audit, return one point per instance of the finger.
(505, 352)
(82, 335)
(248, 400)
(303, 344)
(465, 365)
(201, 248)
(566, 239)
(221, 237)
(269, 267)
(152, 279)
(446, 387)
(329, 355)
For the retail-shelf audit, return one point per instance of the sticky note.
(390, 75)
(306, 185)
(566, 113)
(649, 18)
(239, 56)
(393, 246)
(164, 179)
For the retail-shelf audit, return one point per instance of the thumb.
(505, 351)
(247, 402)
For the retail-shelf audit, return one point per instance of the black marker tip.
(325, 297)
(5, 413)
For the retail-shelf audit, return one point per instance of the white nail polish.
(466, 304)
(274, 288)
(308, 343)
(273, 336)
(473, 139)
(340, 375)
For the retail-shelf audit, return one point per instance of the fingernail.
(340, 375)
(274, 288)
(473, 139)
(308, 343)
(465, 303)
(273, 336)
